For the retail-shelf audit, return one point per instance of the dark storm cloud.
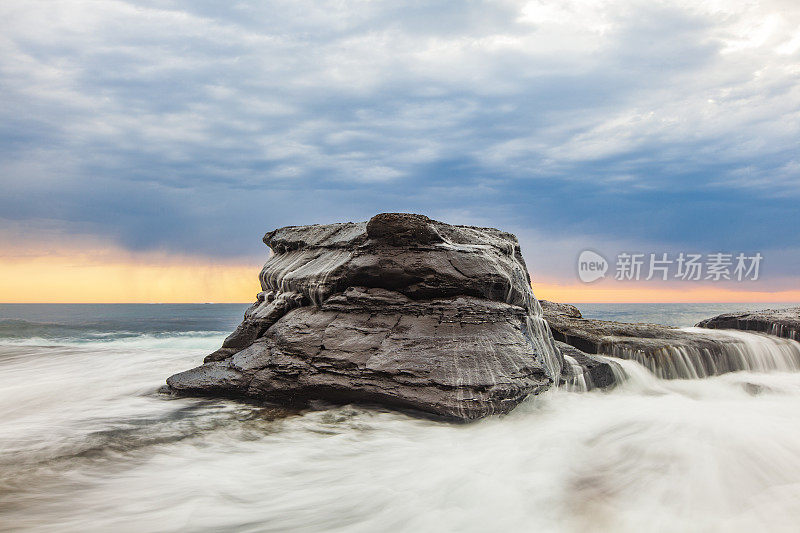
(195, 127)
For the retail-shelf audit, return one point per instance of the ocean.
(87, 443)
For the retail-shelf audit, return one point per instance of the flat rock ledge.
(779, 322)
(670, 352)
(401, 311)
(559, 309)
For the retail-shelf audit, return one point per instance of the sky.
(146, 147)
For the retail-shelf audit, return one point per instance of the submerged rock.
(401, 310)
(780, 322)
(670, 352)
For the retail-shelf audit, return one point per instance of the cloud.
(195, 127)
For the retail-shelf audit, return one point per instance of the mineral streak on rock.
(401, 310)
(780, 322)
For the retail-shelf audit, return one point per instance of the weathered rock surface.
(401, 310)
(671, 352)
(555, 308)
(583, 371)
(780, 322)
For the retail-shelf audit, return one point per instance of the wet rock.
(670, 352)
(401, 310)
(583, 371)
(602, 336)
(780, 322)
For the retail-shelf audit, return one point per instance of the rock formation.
(780, 322)
(401, 311)
(670, 352)
(555, 308)
(584, 372)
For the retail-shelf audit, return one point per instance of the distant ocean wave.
(178, 325)
(188, 340)
(23, 330)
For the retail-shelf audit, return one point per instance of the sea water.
(88, 444)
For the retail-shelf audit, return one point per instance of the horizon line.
(538, 299)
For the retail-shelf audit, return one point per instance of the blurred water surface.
(88, 444)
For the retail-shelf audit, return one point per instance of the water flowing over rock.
(584, 372)
(780, 322)
(670, 352)
(401, 310)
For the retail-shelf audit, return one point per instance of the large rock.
(780, 322)
(401, 310)
(670, 352)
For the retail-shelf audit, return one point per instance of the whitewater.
(87, 443)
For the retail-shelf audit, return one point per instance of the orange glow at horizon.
(105, 277)
(583, 293)
(112, 275)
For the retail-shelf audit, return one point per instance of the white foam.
(733, 351)
(720, 454)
